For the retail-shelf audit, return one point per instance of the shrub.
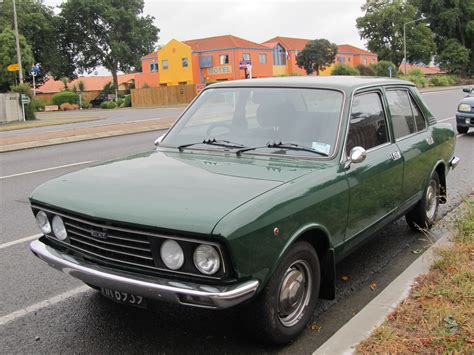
(68, 107)
(108, 104)
(343, 69)
(381, 68)
(364, 70)
(419, 81)
(65, 96)
(119, 102)
(38, 104)
(443, 80)
(127, 101)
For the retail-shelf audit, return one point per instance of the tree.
(381, 68)
(454, 57)
(8, 56)
(38, 24)
(109, 33)
(451, 20)
(343, 69)
(317, 55)
(382, 27)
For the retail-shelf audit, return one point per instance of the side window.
(368, 126)
(419, 119)
(400, 110)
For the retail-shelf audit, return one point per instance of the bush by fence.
(65, 96)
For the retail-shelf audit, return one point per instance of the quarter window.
(419, 119)
(368, 125)
(400, 110)
(224, 59)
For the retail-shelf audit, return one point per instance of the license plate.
(124, 297)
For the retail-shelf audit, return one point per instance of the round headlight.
(58, 228)
(464, 108)
(172, 254)
(207, 259)
(43, 222)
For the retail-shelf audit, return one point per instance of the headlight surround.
(43, 222)
(207, 259)
(59, 229)
(172, 254)
(464, 108)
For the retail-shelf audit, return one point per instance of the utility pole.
(18, 53)
(405, 41)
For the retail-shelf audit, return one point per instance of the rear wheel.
(284, 308)
(462, 129)
(423, 215)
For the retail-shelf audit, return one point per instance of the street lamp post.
(18, 53)
(405, 40)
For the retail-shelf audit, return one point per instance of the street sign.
(244, 64)
(13, 67)
(25, 99)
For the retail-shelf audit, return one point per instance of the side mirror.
(468, 90)
(356, 155)
(159, 139)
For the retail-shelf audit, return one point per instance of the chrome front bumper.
(454, 162)
(188, 293)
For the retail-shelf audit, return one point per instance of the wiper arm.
(213, 141)
(289, 146)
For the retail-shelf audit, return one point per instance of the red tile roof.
(220, 42)
(91, 83)
(151, 55)
(289, 43)
(347, 48)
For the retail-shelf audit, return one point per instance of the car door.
(413, 138)
(374, 184)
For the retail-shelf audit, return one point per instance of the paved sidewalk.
(79, 134)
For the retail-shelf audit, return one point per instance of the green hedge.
(127, 101)
(365, 70)
(443, 80)
(108, 104)
(343, 69)
(381, 68)
(65, 96)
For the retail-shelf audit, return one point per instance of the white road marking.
(46, 169)
(445, 119)
(18, 241)
(43, 304)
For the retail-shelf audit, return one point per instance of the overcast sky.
(255, 20)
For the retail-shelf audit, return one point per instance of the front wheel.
(462, 130)
(424, 213)
(284, 308)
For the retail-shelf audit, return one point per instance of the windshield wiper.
(213, 141)
(289, 146)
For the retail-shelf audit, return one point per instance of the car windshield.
(258, 117)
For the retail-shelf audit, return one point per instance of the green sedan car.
(252, 198)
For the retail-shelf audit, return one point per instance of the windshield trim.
(337, 144)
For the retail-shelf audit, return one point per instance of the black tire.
(264, 320)
(423, 215)
(462, 130)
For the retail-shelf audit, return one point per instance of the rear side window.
(406, 116)
(368, 126)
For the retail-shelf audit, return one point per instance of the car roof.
(339, 82)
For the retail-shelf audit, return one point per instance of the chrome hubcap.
(294, 293)
(431, 200)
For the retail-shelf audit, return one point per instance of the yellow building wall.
(279, 70)
(327, 71)
(174, 51)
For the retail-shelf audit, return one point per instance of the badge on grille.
(99, 234)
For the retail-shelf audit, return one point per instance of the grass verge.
(438, 316)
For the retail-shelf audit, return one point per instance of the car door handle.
(429, 140)
(396, 155)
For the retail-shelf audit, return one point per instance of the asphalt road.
(72, 319)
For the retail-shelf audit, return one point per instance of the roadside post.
(25, 100)
(390, 68)
(35, 69)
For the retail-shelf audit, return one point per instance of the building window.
(153, 67)
(341, 60)
(279, 55)
(246, 56)
(262, 59)
(184, 62)
(164, 63)
(224, 59)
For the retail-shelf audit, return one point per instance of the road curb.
(440, 88)
(358, 328)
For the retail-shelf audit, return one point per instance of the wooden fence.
(163, 95)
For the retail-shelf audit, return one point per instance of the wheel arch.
(440, 168)
(319, 238)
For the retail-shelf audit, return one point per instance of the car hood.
(169, 190)
(468, 100)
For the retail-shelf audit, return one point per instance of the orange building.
(285, 50)
(149, 74)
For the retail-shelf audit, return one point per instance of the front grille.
(127, 248)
